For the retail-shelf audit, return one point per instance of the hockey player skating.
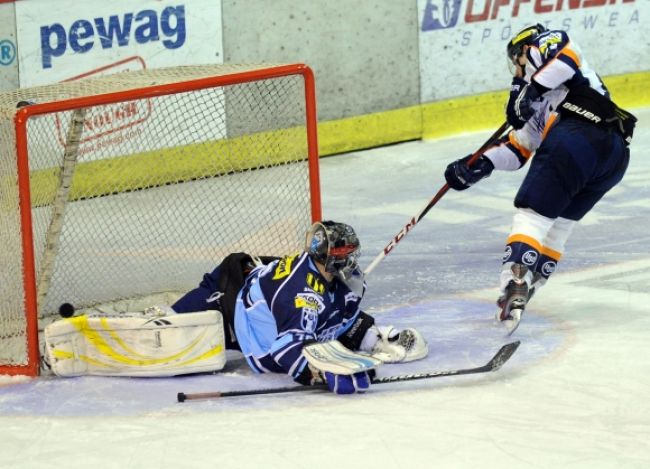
(562, 113)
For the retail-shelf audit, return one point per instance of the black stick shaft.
(502, 356)
(182, 397)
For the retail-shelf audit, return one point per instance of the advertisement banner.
(8, 51)
(77, 40)
(463, 42)
(68, 38)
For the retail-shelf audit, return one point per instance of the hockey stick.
(502, 356)
(443, 190)
(53, 234)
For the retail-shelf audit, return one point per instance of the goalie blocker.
(136, 344)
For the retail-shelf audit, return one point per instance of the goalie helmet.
(525, 37)
(334, 245)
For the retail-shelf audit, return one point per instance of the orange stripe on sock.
(553, 254)
(520, 238)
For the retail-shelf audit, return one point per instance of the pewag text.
(142, 27)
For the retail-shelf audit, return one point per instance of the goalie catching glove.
(391, 345)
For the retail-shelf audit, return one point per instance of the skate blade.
(512, 323)
(500, 316)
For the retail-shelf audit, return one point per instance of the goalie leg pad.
(136, 345)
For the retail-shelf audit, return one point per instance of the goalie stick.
(497, 361)
(443, 190)
(53, 235)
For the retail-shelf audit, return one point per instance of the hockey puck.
(66, 310)
(181, 397)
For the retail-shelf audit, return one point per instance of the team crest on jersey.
(309, 320)
(311, 306)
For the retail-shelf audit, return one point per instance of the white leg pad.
(136, 345)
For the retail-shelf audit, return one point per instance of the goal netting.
(125, 185)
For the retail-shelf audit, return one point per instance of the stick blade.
(503, 355)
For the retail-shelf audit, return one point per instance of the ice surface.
(576, 393)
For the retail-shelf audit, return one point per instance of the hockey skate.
(513, 302)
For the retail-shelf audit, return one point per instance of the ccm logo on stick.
(400, 235)
(114, 31)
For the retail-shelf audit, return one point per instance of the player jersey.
(284, 304)
(555, 63)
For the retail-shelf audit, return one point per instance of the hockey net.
(120, 186)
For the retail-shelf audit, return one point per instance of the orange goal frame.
(24, 114)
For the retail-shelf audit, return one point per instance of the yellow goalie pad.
(137, 345)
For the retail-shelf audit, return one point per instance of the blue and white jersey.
(282, 305)
(554, 63)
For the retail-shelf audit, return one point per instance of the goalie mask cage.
(118, 186)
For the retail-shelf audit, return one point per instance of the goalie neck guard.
(334, 245)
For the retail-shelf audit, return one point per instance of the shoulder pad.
(550, 43)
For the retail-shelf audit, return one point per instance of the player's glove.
(348, 384)
(520, 105)
(459, 176)
(398, 346)
(336, 382)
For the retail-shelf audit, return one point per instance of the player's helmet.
(335, 245)
(524, 37)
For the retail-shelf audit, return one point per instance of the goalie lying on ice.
(272, 307)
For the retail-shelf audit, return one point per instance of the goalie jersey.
(286, 303)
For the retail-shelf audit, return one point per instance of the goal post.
(115, 187)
